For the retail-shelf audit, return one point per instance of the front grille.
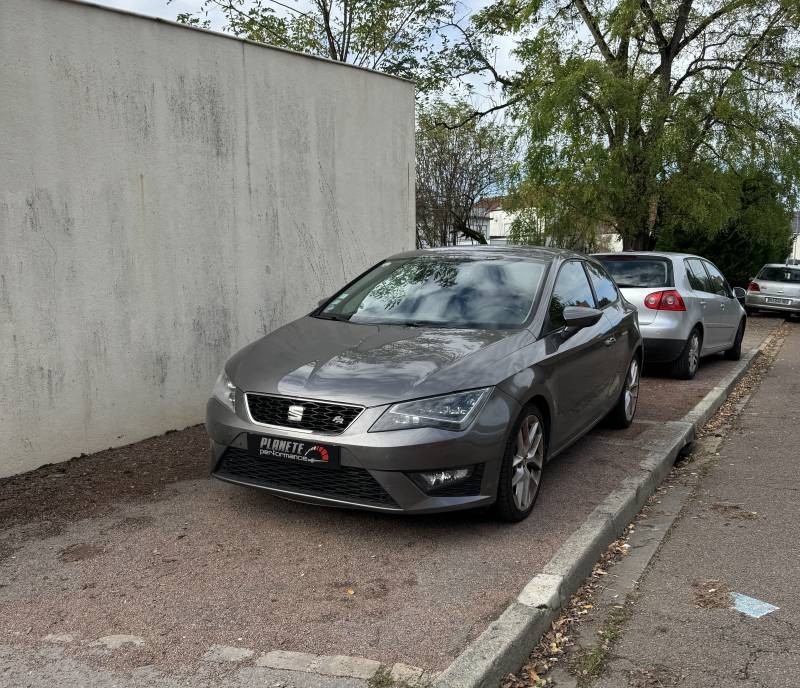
(470, 487)
(346, 482)
(318, 416)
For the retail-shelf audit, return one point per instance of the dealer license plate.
(293, 451)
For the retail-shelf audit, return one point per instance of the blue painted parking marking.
(751, 606)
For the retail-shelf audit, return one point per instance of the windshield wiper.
(331, 317)
(423, 323)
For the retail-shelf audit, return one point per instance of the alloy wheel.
(632, 389)
(694, 352)
(526, 468)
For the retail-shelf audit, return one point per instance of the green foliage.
(626, 105)
(400, 37)
(744, 226)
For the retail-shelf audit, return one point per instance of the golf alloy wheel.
(694, 352)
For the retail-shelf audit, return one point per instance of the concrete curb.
(503, 647)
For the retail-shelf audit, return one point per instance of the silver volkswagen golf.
(437, 380)
(776, 288)
(686, 307)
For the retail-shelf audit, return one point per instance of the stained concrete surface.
(200, 563)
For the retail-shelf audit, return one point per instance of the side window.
(718, 283)
(698, 277)
(571, 289)
(604, 287)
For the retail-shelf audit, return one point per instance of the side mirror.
(739, 294)
(578, 317)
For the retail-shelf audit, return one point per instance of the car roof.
(542, 253)
(654, 254)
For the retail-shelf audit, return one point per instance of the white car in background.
(687, 309)
(775, 288)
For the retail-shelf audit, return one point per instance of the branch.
(591, 24)
(661, 40)
(231, 8)
(680, 26)
(709, 119)
(488, 66)
(475, 115)
(396, 33)
(710, 19)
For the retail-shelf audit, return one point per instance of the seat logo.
(295, 414)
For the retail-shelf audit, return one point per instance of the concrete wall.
(166, 196)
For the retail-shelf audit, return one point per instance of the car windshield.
(638, 271)
(442, 291)
(779, 274)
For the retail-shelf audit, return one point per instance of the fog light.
(433, 480)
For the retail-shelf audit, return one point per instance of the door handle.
(609, 341)
(702, 302)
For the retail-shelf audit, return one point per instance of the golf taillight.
(753, 286)
(669, 300)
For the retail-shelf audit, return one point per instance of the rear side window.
(604, 287)
(718, 283)
(639, 271)
(786, 274)
(698, 277)
(571, 289)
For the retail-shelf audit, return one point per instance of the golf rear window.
(639, 271)
(784, 274)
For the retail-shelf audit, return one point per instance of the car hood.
(372, 365)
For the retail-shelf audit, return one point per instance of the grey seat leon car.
(437, 380)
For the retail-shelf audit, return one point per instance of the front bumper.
(759, 302)
(374, 466)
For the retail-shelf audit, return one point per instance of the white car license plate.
(783, 302)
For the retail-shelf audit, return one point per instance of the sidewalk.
(738, 534)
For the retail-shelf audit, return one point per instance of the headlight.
(225, 391)
(449, 412)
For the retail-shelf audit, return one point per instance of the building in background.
(495, 223)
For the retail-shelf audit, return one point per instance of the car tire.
(522, 466)
(621, 416)
(685, 366)
(735, 352)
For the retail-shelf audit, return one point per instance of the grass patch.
(382, 678)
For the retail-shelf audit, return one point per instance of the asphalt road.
(136, 541)
(738, 534)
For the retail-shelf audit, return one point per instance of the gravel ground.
(138, 541)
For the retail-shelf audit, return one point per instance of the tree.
(455, 169)
(618, 97)
(758, 230)
(401, 37)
